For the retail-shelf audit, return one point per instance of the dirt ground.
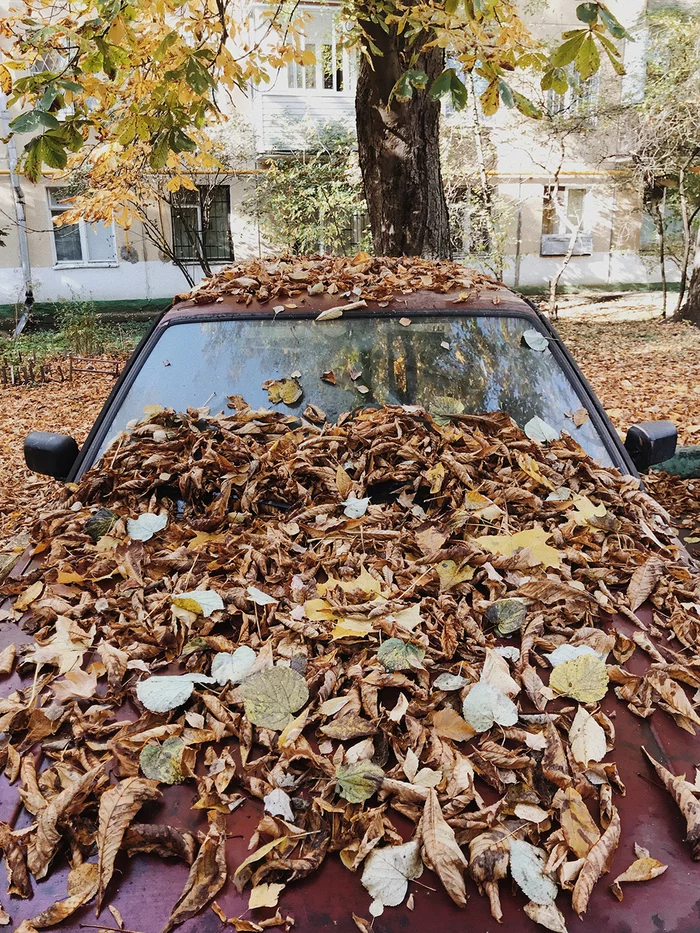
(641, 367)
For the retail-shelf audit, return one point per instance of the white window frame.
(342, 56)
(558, 241)
(54, 207)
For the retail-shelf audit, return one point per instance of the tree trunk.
(399, 152)
(691, 309)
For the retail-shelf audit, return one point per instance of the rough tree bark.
(399, 152)
(691, 309)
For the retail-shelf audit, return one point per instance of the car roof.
(484, 297)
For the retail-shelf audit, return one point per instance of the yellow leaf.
(32, 593)
(534, 539)
(187, 182)
(586, 510)
(318, 610)
(68, 576)
(584, 678)
(240, 872)
(293, 730)
(363, 583)
(530, 466)
(352, 628)
(436, 477)
(452, 575)
(5, 80)
(642, 869)
(173, 184)
(265, 895)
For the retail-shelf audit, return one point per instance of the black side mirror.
(51, 454)
(651, 442)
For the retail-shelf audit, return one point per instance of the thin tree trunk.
(399, 151)
(485, 192)
(554, 283)
(660, 213)
(691, 309)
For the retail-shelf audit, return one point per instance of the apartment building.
(545, 193)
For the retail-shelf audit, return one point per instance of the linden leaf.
(527, 868)
(484, 705)
(444, 406)
(265, 895)
(164, 762)
(540, 432)
(201, 602)
(283, 390)
(388, 870)
(357, 782)
(259, 598)
(354, 507)
(534, 539)
(409, 618)
(535, 340)
(587, 738)
(232, 668)
(450, 682)
(397, 655)
(452, 575)
(161, 694)
(585, 679)
(271, 696)
(507, 615)
(568, 653)
(278, 803)
(145, 526)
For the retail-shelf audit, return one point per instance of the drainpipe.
(18, 199)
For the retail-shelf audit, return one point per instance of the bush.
(79, 325)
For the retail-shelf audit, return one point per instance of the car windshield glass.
(448, 364)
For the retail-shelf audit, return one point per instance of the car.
(454, 352)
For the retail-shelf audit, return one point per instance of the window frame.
(343, 62)
(55, 208)
(556, 242)
(191, 257)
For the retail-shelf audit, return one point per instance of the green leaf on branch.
(569, 49)
(587, 12)
(403, 89)
(490, 99)
(554, 79)
(29, 122)
(588, 58)
(449, 85)
(612, 24)
(506, 94)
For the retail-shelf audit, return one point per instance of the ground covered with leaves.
(344, 621)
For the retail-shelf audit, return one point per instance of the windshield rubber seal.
(577, 380)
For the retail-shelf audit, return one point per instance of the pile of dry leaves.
(344, 620)
(361, 278)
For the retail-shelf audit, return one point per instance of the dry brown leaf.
(45, 842)
(7, 659)
(580, 832)
(547, 915)
(643, 581)
(488, 864)
(440, 851)
(597, 863)
(642, 869)
(18, 881)
(450, 725)
(82, 887)
(118, 807)
(683, 792)
(207, 875)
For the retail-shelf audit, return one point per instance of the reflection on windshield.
(451, 364)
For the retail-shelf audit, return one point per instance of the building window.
(81, 243)
(566, 211)
(329, 66)
(579, 100)
(201, 224)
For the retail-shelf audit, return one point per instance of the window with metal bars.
(201, 225)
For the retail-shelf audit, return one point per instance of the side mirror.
(651, 442)
(50, 454)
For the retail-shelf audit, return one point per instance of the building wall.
(524, 166)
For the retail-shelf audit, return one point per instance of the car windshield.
(449, 364)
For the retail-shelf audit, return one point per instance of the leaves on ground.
(387, 872)
(584, 679)
(271, 696)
